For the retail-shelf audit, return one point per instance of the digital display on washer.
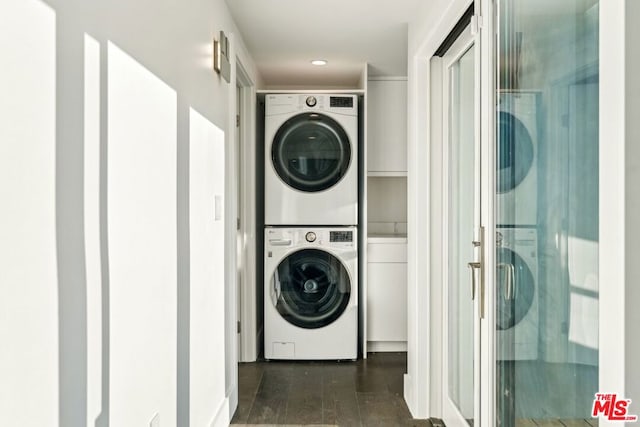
(341, 236)
(341, 101)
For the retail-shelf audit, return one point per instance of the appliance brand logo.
(613, 409)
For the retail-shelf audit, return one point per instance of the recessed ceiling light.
(319, 62)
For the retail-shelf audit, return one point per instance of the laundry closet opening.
(331, 331)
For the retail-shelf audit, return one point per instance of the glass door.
(545, 200)
(461, 342)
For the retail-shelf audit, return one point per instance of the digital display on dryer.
(341, 102)
(341, 236)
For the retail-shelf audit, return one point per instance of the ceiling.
(283, 36)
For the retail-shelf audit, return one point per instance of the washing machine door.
(514, 154)
(516, 289)
(311, 288)
(311, 152)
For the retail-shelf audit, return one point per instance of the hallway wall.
(103, 103)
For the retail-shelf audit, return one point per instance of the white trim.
(419, 358)
(487, 216)
(230, 240)
(437, 227)
(248, 334)
(612, 262)
(364, 218)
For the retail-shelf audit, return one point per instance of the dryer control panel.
(282, 238)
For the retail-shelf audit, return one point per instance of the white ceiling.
(283, 36)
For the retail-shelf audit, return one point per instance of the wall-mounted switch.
(218, 207)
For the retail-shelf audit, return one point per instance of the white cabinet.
(387, 295)
(387, 127)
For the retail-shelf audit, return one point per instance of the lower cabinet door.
(387, 302)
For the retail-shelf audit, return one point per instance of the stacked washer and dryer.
(311, 218)
(517, 320)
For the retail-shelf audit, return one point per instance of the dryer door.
(514, 152)
(312, 288)
(311, 152)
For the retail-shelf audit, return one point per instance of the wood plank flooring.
(362, 393)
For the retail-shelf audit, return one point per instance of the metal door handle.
(473, 266)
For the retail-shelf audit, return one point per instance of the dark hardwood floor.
(363, 393)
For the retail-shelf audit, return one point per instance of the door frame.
(424, 380)
(458, 49)
(247, 216)
(487, 95)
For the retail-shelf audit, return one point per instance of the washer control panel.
(310, 237)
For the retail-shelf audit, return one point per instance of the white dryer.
(517, 316)
(311, 159)
(517, 158)
(311, 293)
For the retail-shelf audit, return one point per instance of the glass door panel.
(462, 212)
(546, 212)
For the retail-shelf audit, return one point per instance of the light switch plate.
(218, 207)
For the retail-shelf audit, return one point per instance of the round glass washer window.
(312, 288)
(511, 309)
(514, 154)
(311, 152)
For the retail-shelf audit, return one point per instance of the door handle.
(472, 267)
(478, 245)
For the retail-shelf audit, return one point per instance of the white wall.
(28, 270)
(142, 243)
(207, 302)
(95, 139)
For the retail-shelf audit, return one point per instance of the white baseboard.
(408, 394)
(232, 397)
(222, 418)
(386, 346)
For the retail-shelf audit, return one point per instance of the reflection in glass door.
(546, 212)
(462, 207)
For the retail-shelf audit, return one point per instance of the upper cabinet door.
(387, 127)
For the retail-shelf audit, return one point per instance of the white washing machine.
(311, 293)
(311, 159)
(517, 158)
(517, 316)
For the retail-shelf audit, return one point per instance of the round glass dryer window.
(514, 154)
(516, 289)
(311, 152)
(312, 288)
